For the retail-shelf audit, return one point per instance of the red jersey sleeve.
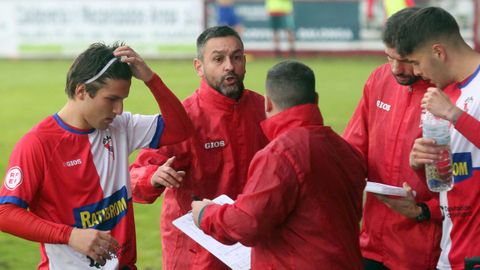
(22, 182)
(262, 206)
(469, 127)
(23, 223)
(25, 172)
(178, 126)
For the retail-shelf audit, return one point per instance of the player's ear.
(439, 52)
(268, 104)
(80, 91)
(198, 65)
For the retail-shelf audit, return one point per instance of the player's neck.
(72, 116)
(466, 64)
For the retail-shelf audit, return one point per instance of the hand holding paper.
(384, 189)
(235, 256)
(197, 210)
(405, 204)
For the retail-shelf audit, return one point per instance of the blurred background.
(168, 28)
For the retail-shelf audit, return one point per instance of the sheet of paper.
(384, 189)
(236, 256)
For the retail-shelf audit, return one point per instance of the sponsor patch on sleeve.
(461, 166)
(13, 178)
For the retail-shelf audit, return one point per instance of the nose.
(118, 107)
(417, 71)
(228, 64)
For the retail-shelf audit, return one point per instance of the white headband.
(102, 71)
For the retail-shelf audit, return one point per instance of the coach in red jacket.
(384, 127)
(226, 118)
(302, 204)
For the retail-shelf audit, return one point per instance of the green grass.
(31, 90)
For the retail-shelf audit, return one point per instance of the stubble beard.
(234, 91)
(410, 81)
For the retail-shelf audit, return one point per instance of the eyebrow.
(401, 59)
(223, 51)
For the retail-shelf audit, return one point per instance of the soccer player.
(431, 40)
(67, 184)
(384, 127)
(281, 18)
(215, 160)
(226, 15)
(302, 203)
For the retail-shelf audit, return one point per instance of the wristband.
(200, 215)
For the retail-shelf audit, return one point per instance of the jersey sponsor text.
(103, 215)
(461, 166)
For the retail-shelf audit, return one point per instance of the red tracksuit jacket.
(227, 135)
(302, 204)
(384, 127)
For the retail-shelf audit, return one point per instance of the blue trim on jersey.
(462, 85)
(155, 143)
(68, 128)
(14, 200)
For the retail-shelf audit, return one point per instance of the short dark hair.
(393, 23)
(215, 32)
(291, 83)
(430, 24)
(89, 63)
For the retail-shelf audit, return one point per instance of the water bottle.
(439, 173)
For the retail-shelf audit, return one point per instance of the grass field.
(31, 90)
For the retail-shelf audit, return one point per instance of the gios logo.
(72, 163)
(13, 178)
(214, 144)
(383, 106)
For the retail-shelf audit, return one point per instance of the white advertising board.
(59, 28)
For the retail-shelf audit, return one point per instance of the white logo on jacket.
(13, 178)
(383, 106)
(214, 144)
(72, 163)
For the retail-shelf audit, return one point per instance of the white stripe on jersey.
(110, 149)
(446, 242)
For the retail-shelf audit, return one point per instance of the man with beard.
(302, 204)
(397, 233)
(215, 160)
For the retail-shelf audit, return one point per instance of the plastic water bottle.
(439, 173)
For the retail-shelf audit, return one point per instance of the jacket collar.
(213, 97)
(297, 116)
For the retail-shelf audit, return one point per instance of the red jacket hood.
(297, 116)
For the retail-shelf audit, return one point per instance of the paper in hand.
(384, 189)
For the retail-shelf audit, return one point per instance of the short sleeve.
(25, 172)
